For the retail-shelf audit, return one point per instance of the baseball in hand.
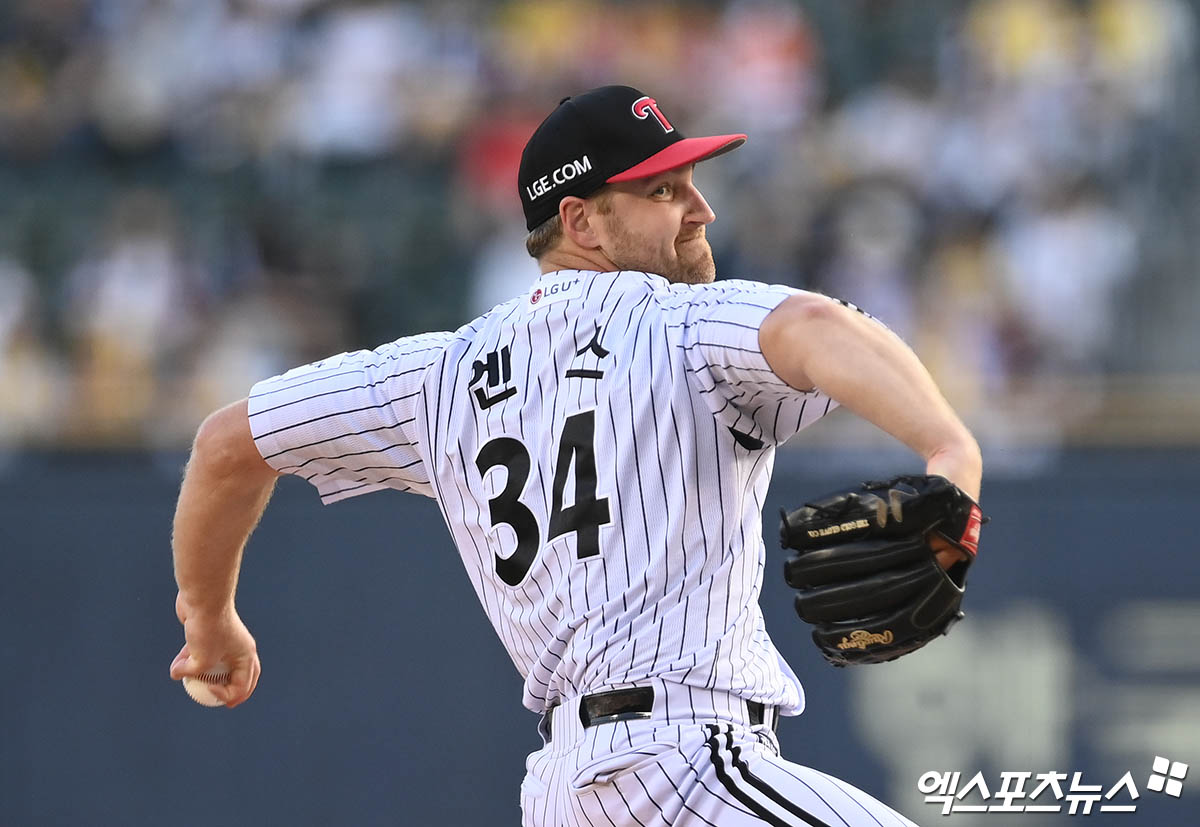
(198, 687)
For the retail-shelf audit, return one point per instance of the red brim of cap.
(680, 153)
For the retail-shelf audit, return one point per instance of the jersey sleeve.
(720, 338)
(349, 424)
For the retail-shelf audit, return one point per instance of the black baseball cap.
(606, 135)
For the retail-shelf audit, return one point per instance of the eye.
(662, 191)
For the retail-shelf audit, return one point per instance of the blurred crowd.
(200, 194)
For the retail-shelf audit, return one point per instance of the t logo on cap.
(644, 106)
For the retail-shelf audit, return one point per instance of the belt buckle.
(614, 717)
(635, 704)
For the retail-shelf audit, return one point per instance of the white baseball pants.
(697, 760)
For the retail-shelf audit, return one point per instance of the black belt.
(631, 704)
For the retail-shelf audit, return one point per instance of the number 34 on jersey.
(576, 446)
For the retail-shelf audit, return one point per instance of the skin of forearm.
(225, 490)
(815, 342)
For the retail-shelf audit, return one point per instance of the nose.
(699, 212)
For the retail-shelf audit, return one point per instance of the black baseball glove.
(867, 577)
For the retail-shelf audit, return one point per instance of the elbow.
(225, 446)
(809, 309)
(793, 332)
(813, 320)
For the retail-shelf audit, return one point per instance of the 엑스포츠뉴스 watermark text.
(1046, 792)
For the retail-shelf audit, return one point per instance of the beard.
(692, 262)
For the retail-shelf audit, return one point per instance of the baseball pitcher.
(600, 448)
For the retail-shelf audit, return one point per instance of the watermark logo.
(1046, 792)
(1167, 776)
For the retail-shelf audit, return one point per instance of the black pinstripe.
(849, 797)
(603, 810)
(616, 786)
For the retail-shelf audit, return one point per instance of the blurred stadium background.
(194, 195)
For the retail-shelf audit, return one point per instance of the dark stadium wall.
(386, 700)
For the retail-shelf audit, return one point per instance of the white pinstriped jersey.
(600, 449)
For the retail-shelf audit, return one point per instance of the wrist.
(962, 464)
(207, 608)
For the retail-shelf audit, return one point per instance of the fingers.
(187, 665)
(949, 557)
(181, 666)
(946, 553)
(242, 683)
(237, 689)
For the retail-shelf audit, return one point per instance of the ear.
(576, 220)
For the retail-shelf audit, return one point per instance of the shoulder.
(728, 293)
(420, 348)
(455, 341)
